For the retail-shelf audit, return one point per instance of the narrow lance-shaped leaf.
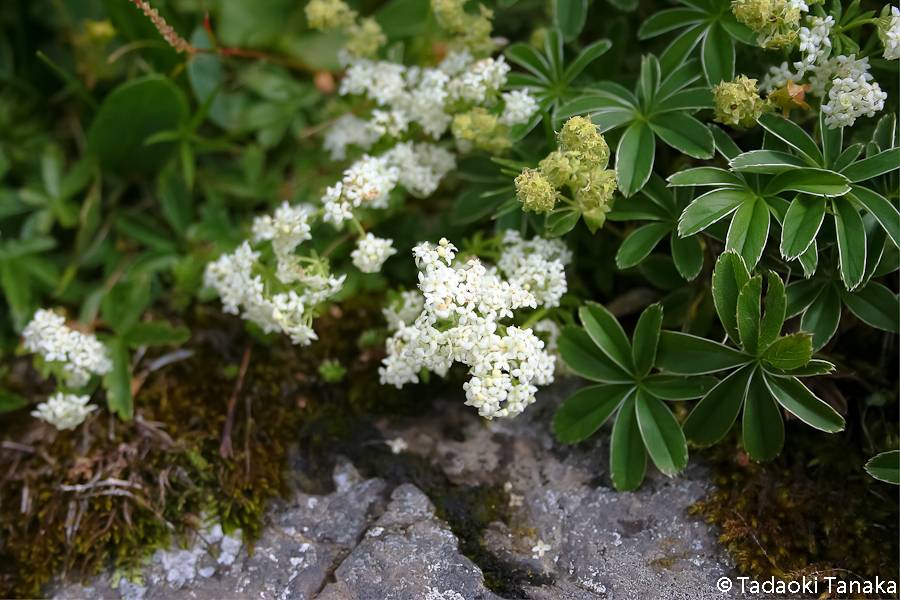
(885, 467)
(717, 411)
(634, 157)
(763, 427)
(795, 397)
(627, 456)
(646, 339)
(685, 354)
(801, 224)
(585, 411)
(606, 332)
(728, 280)
(748, 315)
(662, 435)
(710, 208)
(583, 356)
(851, 238)
(773, 318)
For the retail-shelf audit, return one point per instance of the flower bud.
(738, 103)
(535, 192)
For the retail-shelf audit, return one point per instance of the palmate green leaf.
(640, 243)
(634, 157)
(607, 333)
(776, 305)
(729, 278)
(790, 352)
(851, 239)
(661, 433)
(585, 411)
(796, 398)
(822, 316)
(748, 315)
(684, 354)
(817, 182)
(801, 224)
(766, 161)
(717, 411)
(880, 208)
(718, 55)
(627, 455)
(885, 467)
(569, 16)
(875, 305)
(712, 176)
(873, 166)
(646, 339)
(615, 91)
(683, 133)
(687, 252)
(710, 208)
(749, 231)
(10, 402)
(763, 427)
(118, 381)
(580, 353)
(668, 20)
(678, 387)
(795, 136)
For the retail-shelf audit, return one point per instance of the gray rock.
(409, 554)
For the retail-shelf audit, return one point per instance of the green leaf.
(129, 115)
(766, 161)
(690, 100)
(684, 133)
(851, 239)
(627, 456)
(527, 57)
(880, 208)
(640, 243)
(847, 156)
(790, 352)
(724, 144)
(873, 166)
(832, 142)
(561, 222)
(794, 136)
(677, 387)
(810, 369)
(404, 18)
(684, 354)
(801, 224)
(118, 381)
(124, 304)
(156, 333)
(607, 333)
(809, 260)
(649, 79)
(639, 208)
(662, 435)
(588, 54)
(583, 356)
(875, 305)
(796, 397)
(145, 230)
(748, 315)
(711, 207)
(717, 411)
(822, 316)
(668, 20)
(885, 467)
(817, 182)
(585, 411)
(687, 252)
(749, 231)
(776, 304)
(763, 427)
(471, 205)
(569, 16)
(718, 55)
(673, 85)
(712, 176)
(16, 284)
(10, 402)
(634, 157)
(646, 339)
(677, 51)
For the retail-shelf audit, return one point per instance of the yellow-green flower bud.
(581, 136)
(561, 168)
(535, 192)
(738, 103)
(364, 38)
(329, 14)
(480, 127)
(776, 21)
(595, 187)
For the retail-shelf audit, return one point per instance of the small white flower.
(346, 131)
(81, 353)
(777, 77)
(540, 548)
(814, 42)
(64, 411)
(371, 252)
(397, 445)
(515, 500)
(520, 107)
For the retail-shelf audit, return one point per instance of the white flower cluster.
(891, 36)
(286, 230)
(64, 411)
(460, 323)
(814, 42)
(853, 94)
(404, 311)
(243, 292)
(371, 252)
(369, 181)
(479, 81)
(777, 77)
(81, 353)
(346, 131)
(538, 266)
(519, 108)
